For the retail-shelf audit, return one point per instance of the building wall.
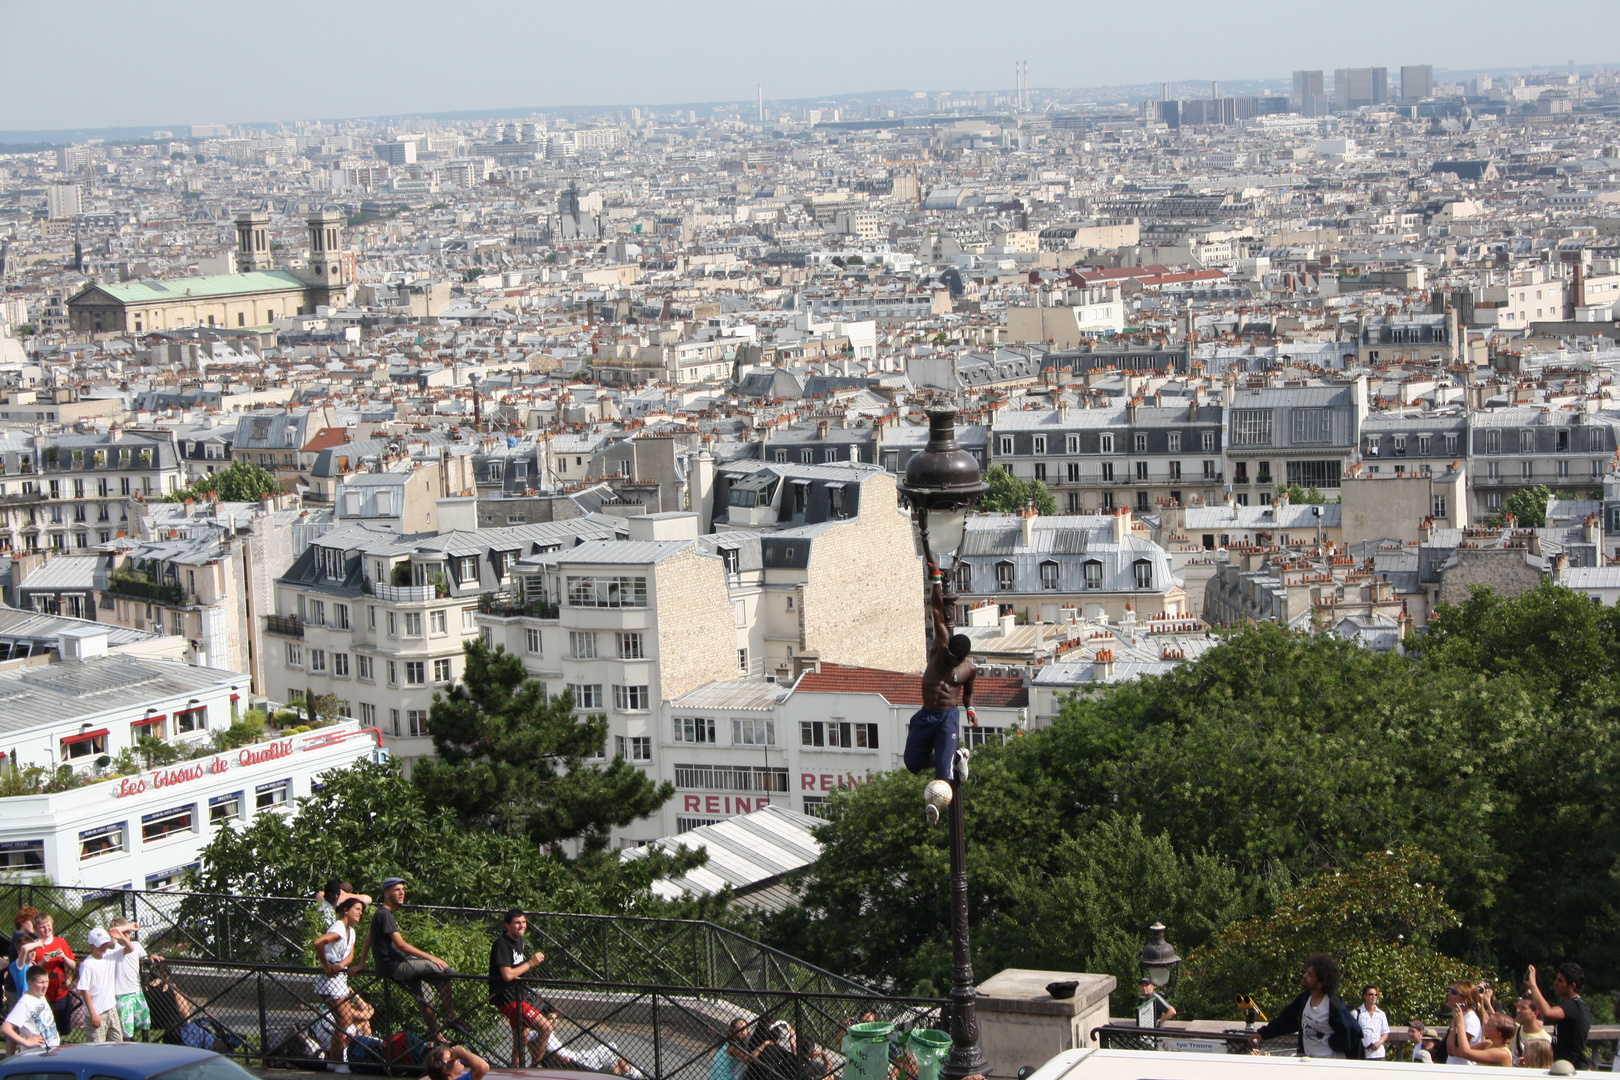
(696, 629)
(862, 600)
(1504, 571)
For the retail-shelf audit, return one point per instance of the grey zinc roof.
(64, 572)
(66, 691)
(33, 626)
(622, 552)
(737, 694)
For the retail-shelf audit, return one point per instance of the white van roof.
(1093, 1064)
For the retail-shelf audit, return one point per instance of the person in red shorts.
(508, 964)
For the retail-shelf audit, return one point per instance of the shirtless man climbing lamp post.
(942, 483)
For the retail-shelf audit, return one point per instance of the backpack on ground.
(368, 1055)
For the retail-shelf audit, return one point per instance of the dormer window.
(329, 561)
(1004, 576)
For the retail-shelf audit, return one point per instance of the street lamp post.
(942, 483)
(1158, 959)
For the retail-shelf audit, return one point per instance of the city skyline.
(348, 66)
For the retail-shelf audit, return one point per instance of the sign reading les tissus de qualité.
(196, 770)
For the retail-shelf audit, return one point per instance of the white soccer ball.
(938, 793)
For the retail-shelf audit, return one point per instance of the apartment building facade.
(75, 492)
(378, 618)
(1042, 568)
(793, 744)
(1097, 460)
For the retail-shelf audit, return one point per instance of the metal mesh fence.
(643, 997)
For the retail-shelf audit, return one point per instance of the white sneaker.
(344, 1069)
(962, 756)
(931, 814)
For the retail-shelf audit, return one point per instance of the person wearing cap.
(98, 986)
(1151, 1009)
(1422, 1043)
(947, 689)
(403, 962)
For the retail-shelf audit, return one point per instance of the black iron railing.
(660, 993)
(285, 625)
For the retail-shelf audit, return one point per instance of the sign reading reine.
(184, 774)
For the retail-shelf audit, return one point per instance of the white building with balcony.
(378, 618)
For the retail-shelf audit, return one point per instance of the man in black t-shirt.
(1571, 1018)
(507, 964)
(403, 962)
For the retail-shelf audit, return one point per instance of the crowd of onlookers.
(51, 990)
(1533, 1031)
(117, 991)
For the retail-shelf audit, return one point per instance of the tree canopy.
(1379, 917)
(241, 481)
(1204, 795)
(1528, 506)
(366, 822)
(513, 760)
(1009, 495)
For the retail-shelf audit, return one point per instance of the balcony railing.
(510, 607)
(400, 594)
(145, 589)
(285, 625)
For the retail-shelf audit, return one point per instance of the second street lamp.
(942, 483)
(1158, 959)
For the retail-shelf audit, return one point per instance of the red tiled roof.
(905, 688)
(326, 438)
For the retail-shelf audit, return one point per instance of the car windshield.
(209, 1068)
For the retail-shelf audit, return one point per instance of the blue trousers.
(932, 738)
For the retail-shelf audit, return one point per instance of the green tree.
(1008, 494)
(512, 760)
(1274, 758)
(365, 823)
(241, 481)
(1379, 917)
(1528, 505)
(1299, 496)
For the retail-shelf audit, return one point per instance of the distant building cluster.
(627, 394)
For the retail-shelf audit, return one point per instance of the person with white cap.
(98, 986)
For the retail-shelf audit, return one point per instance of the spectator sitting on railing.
(334, 950)
(507, 965)
(453, 1062)
(170, 1009)
(403, 962)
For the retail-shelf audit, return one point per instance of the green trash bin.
(929, 1048)
(866, 1051)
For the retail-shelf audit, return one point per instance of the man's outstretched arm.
(936, 595)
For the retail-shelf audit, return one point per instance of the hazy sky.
(95, 63)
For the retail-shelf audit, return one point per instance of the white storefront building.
(141, 830)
